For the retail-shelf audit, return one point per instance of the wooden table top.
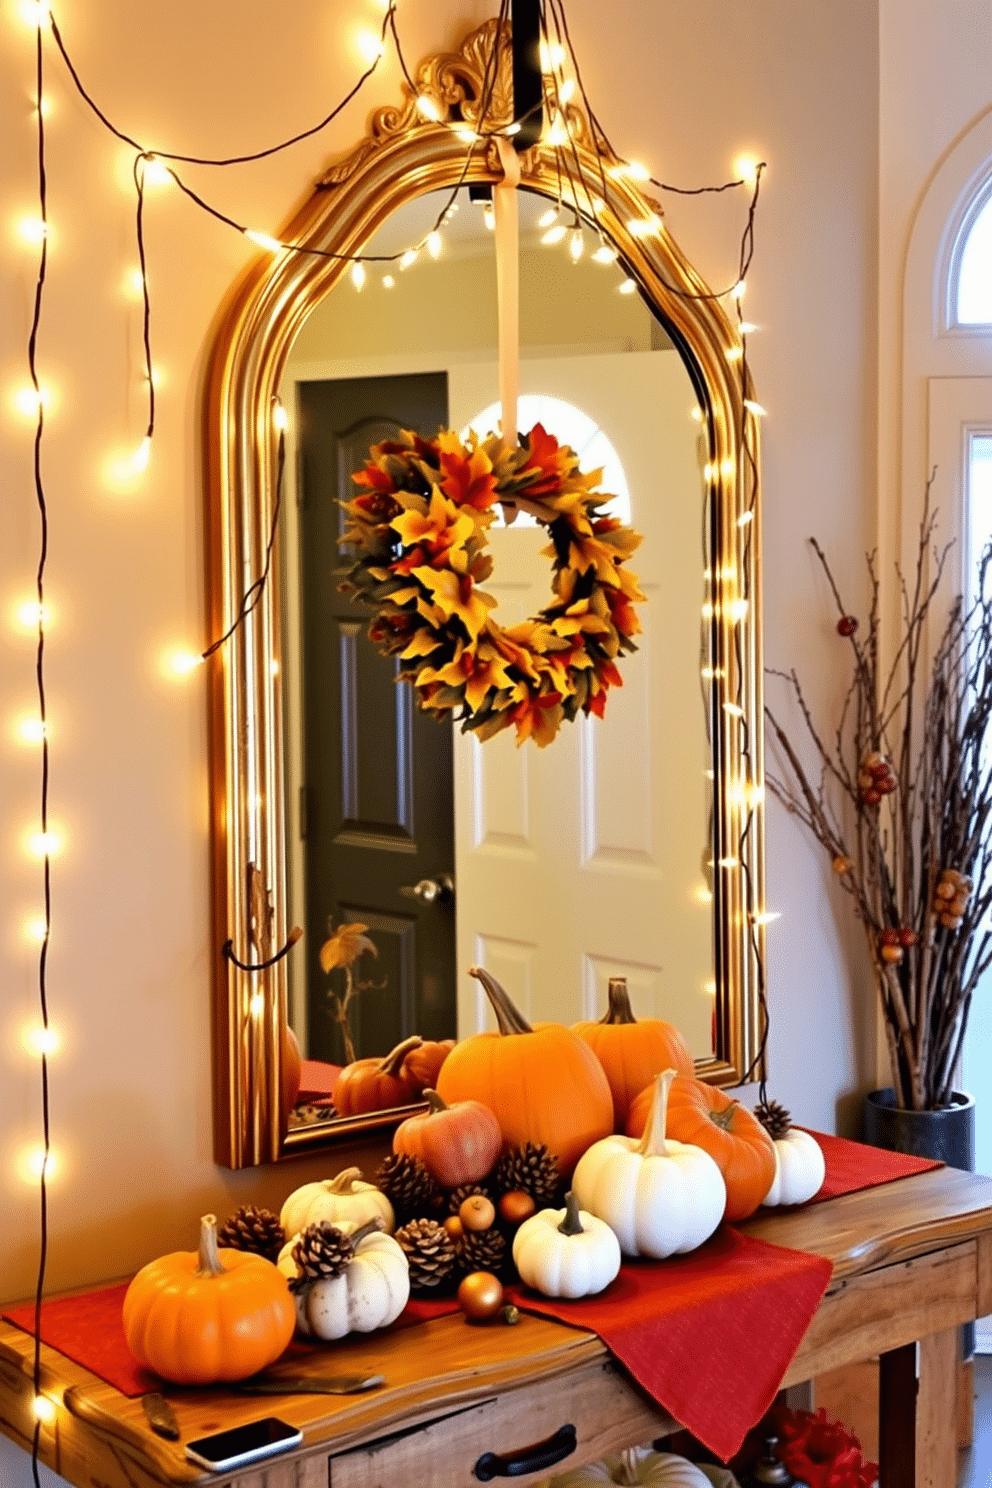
(449, 1362)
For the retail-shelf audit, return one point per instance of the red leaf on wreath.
(372, 476)
(546, 456)
(469, 482)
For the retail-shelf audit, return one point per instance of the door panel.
(379, 811)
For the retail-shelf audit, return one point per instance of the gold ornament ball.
(516, 1206)
(892, 953)
(477, 1213)
(842, 865)
(480, 1296)
(454, 1227)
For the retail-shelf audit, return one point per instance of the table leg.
(917, 1439)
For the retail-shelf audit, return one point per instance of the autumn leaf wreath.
(418, 528)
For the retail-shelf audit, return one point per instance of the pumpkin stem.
(628, 1465)
(619, 1010)
(571, 1224)
(509, 1019)
(724, 1119)
(652, 1144)
(391, 1064)
(434, 1101)
(368, 1228)
(345, 1182)
(209, 1263)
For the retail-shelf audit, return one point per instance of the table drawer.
(605, 1409)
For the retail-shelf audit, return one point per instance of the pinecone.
(430, 1252)
(322, 1252)
(531, 1168)
(253, 1229)
(482, 1250)
(774, 1118)
(408, 1186)
(457, 1196)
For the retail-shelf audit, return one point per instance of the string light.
(37, 1164)
(604, 254)
(642, 227)
(31, 730)
(554, 235)
(576, 244)
(434, 243)
(627, 287)
(745, 518)
(264, 240)
(738, 290)
(489, 216)
(746, 167)
(43, 1409)
(181, 663)
(633, 170)
(370, 45)
(766, 917)
(747, 328)
(44, 844)
(428, 108)
(280, 418)
(388, 281)
(754, 408)
(32, 230)
(567, 91)
(552, 55)
(358, 275)
(548, 218)
(30, 401)
(556, 133)
(696, 414)
(257, 1004)
(40, 1041)
(155, 172)
(734, 353)
(35, 929)
(408, 258)
(34, 13)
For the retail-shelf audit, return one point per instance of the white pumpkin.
(642, 1465)
(566, 1253)
(659, 1197)
(335, 1199)
(799, 1168)
(369, 1294)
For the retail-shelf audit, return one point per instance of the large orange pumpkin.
(377, 1084)
(632, 1053)
(703, 1116)
(198, 1317)
(424, 1063)
(543, 1084)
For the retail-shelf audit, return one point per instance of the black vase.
(947, 1135)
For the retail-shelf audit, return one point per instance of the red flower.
(821, 1452)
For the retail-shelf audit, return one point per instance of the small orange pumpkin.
(377, 1084)
(424, 1063)
(457, 1144)
(632, 1053)
(703, 1116)
(198, 1317)
(543, 1084)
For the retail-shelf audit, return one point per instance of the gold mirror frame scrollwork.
(402, 156)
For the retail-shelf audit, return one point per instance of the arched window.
(573, 427)
(971, 264)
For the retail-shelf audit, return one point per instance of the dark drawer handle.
(528, 1459)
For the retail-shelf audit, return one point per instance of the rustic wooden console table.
(912, 1261)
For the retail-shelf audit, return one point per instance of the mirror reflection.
(555, 869)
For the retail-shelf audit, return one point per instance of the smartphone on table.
(228, 1449)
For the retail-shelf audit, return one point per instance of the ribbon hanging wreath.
(419, 528)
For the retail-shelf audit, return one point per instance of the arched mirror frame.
(402, 156)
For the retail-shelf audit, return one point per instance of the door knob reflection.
(440, 890)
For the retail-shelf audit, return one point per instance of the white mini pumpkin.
(642, 1465)
(799, 1168)
(369, 1294)
(565, 1252)
(335, 1199)
(659, 1197)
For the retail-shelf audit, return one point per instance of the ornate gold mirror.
(631, 846)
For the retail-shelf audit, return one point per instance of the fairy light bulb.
(641, 227)
(41, 1041)
(576, 244)
(30, 401)
(553, 235)
(754, 408)
(35, 929)
(434, 243)
(142, 455)
(428, 109)
(181, 663)
(489, 217)
(43, 1409)
(280, 418)
(358, 275)
(388, 281)
(747, 328)
(734, 353)
(369, 45)
(264, 240)
(465, 133)
(627, 287)
(32, 230)
(696, 414)
(35, 1164)
(30, 614)
(556, 133)
(739, 290)
(257, 1004)
(44, 844)
(31, 730)
(552, 55)
(604, 254)
(766, 917)
(548, 218)
(728, 466)
(408, 258)
(745, 518)
(155, 172)
(512, 129)
(567, 91)
(632, 169)
(746, 169)
(34, 12)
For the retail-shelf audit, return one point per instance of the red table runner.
(708, 1335)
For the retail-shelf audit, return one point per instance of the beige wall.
(684, 88)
